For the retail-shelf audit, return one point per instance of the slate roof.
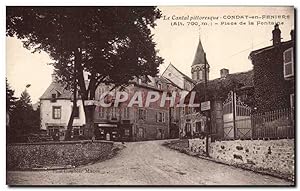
(58, 89)
(199, 55)
(221, 86)
(269, 48)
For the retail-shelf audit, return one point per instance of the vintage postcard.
(147, 96)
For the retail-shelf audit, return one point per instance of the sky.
(226, 46)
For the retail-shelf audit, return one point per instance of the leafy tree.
(24, 119)
(10, 99)
(113, 44)
(10, 106)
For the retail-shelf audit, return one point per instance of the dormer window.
(288, 63)
(53, 97)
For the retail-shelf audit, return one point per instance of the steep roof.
(269, 48)
(183, 75)
(170, 82)
(199, 55)
(58, 89)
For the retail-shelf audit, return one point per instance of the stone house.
(133, 123)
(274, 68)
(55, 110)
(217, 92)
(129, 123)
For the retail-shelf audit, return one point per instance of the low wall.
(49, 154)
(271, 155)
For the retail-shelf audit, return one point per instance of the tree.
(10, 106)
(113, 44)
(24, 119)
(10, 99)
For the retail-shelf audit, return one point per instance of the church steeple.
(198, 73)
(199, 56)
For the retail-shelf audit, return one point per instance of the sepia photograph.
(150, 96)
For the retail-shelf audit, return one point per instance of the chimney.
(292, 35)
(53, 76)
(224, 72)
(276, 35)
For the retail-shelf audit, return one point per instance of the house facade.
(274, 68)
(55, 110)
(134, 123)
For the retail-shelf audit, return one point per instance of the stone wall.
(56, 154)
(271, 155)
(197, 145)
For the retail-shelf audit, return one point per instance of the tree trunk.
(89, 117)
(70, 123)
(90, 109)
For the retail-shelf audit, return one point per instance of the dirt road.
(146, 163)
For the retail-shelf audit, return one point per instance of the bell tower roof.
(200, 55)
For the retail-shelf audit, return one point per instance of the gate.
(237, 118)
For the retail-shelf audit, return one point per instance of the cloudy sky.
(226, 46)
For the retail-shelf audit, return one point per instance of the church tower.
(198, 66)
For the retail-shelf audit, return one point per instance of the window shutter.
(288, 63)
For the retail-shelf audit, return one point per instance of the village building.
(274, 68)
(112, 123)
(133, 123)
(220, 93)
(181, 80)
(252, 104)
(224, 93)
(55, 110)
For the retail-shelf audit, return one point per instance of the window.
(101, 112)
(198, 126)
(53, 130)
(288, 63)
(56, 112)
(126, 113)
(126, 132)
(163, 117)
(292, 101)
(188, 127)
(53, 98)
(76, 112)
(142, 114)
(160, 117)
(114, 113)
